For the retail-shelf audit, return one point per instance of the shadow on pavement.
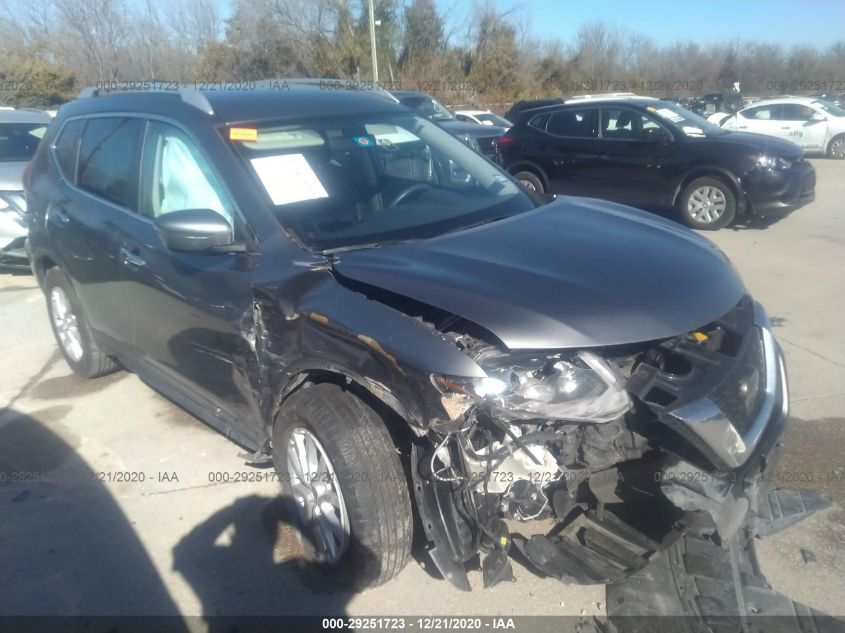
(66, 548)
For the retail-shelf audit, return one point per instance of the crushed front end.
(584, 463)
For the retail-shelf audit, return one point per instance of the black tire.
(726, 217)
(528, 180)
(370, 475)
(836, 147)
(93, 362)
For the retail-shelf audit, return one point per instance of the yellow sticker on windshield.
(243, 134)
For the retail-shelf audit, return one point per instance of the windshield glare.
(368, 179)
(18, 141)
(686, 122)
(829, 107)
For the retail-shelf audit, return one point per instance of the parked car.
(815, 125)
(304, 272)
(480, 137)
(656, 155)
(529, 104)
(482, 117)
(20, 133)
(727, 102)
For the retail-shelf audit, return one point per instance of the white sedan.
(815, 125)
(482, 117)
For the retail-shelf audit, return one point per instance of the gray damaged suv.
(360, 299)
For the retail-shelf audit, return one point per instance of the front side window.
(108, 159)
(177, 177)
(575, 123)
(18, 141)
(362, 179)
(796, 112)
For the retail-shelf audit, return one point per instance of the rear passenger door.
(98, 159)
(189, 308)
(569, 151)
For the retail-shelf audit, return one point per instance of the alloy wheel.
(837, 148)
(66, 324)
(319, 499)
(707, 204)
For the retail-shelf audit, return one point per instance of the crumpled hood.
(574, 273)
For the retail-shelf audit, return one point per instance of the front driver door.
(804, 125)
(192, 312)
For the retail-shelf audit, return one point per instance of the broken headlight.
(583, 387)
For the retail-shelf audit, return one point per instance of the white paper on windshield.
(692, 130)
(670, 115)
(288, 178)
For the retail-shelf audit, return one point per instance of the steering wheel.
(408, 191)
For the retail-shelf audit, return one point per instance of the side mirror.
(817, 117)
(194, 230)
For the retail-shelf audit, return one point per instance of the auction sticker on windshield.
(288, 178)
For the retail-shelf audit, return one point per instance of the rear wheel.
(71, 330)
(836, 147)
(707, 204)
(530, 181)
(339, 468)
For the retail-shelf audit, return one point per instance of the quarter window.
(177, 176)
(67, 148)
(108, 158)
(578, 123)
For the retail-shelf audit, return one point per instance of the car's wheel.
(836, 147)
(707, 203)
(340, 469)
(529, 181)
(71, 330)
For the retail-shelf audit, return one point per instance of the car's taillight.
(504, 140)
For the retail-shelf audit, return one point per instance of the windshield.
(18, 141)
(426, 106)
(830, 108)
(686, 122)
(368, 179)
(495, 119)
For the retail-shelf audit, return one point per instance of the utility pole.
(373, 41)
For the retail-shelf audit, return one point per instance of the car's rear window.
(18, 141)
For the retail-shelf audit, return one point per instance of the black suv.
(351, 293)
(656, 155)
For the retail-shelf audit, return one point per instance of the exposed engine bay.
(595, 454)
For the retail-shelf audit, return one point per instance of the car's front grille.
(740, 394)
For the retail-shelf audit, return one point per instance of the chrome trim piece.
(706, 419)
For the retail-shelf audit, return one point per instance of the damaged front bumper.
(625, 521)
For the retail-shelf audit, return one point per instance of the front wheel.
(339, 467)
(707, 204)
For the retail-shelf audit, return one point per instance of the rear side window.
(763, 113)
(108, 159)
(66, 149)
(577, 123)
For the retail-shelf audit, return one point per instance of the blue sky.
(790, 22)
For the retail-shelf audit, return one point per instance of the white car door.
(802, 127)
(761, 119)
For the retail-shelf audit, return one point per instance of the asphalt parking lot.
(127, 509)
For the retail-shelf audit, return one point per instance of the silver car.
(20, 133)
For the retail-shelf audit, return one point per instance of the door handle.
(61, 214)
(786, 127)
(132, 259)
(741, 127)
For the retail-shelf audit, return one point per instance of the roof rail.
(189, 96)
(603, 95)
(343, 84)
